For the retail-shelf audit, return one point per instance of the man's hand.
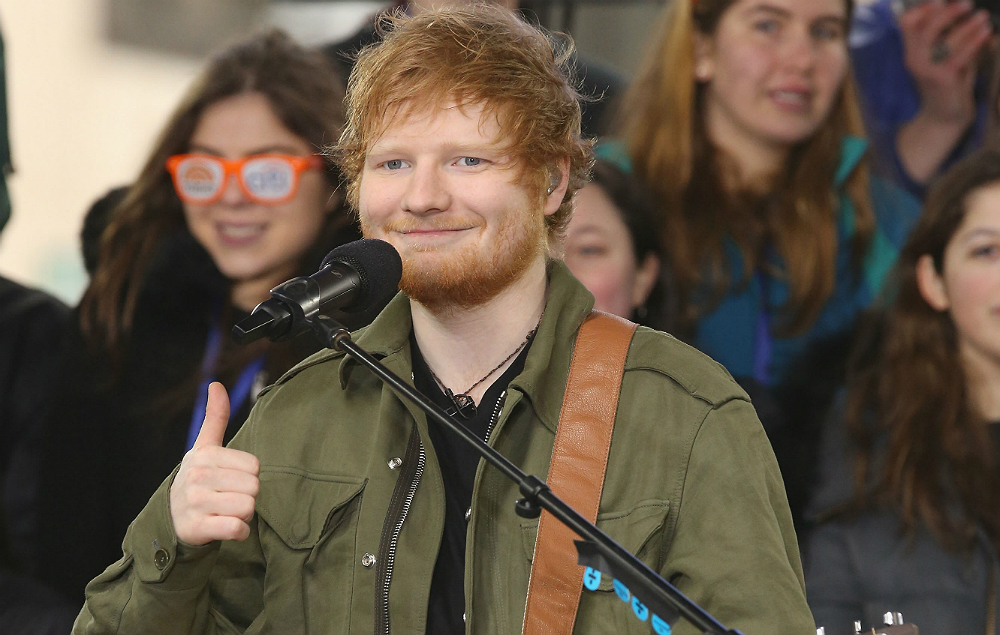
(942, 43)
(214, 492)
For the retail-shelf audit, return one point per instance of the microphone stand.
(658, 595)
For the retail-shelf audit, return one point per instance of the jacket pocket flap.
(299, 505)
(631, 529)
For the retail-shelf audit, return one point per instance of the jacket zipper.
(496, 416)
(399, 506)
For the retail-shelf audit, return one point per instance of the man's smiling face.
(442, 188)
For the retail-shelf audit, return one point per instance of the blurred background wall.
(90, 83)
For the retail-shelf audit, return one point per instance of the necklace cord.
(462, 400)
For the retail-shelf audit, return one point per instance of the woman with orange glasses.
(232, 201)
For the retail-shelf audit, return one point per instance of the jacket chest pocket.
(638, 530)
(308, 532)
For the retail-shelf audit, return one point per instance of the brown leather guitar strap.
(576, 473)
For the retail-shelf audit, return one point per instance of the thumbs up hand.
(214, 493)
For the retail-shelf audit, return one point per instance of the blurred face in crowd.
(968, 287)
(254, 244)
(441, 187)
(772, 70)
(601, 254)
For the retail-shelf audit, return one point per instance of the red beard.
(469, 276)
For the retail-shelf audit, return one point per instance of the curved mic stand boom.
(659, 596)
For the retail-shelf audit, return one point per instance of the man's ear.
(556, 192)
(704, 58)
(931, 284)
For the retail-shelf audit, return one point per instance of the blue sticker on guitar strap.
(640, 609)
(659, 626)
(622, 591)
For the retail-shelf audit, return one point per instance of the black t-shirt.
(458, 461)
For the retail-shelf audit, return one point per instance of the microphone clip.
(299, 300)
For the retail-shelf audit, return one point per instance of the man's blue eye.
(395, 164)
(470, 162)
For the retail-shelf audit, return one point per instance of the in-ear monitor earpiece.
(554, 182)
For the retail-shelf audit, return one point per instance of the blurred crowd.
(806, 190)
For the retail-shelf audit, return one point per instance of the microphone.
(359, 277)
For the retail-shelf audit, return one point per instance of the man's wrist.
(157, 552)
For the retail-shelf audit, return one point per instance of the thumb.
(216, 416)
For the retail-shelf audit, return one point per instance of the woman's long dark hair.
(907, 382)
(306, 95)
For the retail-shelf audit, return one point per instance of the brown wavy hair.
(479, 54)
(664, 131)
(907, 383)
(306, 95)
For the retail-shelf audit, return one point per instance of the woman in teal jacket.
(744, 122)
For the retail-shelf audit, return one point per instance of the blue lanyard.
(763, 349)
(237, 396)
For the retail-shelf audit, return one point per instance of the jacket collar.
(543, 380)
(852, 150)
(546, 368)
(386, 337)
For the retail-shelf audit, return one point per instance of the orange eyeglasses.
(269, 179)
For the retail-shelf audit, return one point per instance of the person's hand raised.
(942, 43)
(215, 490)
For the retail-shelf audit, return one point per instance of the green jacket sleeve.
(734, 550)
(161, 585)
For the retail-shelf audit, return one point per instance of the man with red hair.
(339, 509)
(600, 85)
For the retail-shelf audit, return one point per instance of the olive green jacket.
(351, 505)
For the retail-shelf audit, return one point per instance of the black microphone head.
(379, 267)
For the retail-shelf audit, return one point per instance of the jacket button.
(394, 463)
(161, 558)
(367, 561)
